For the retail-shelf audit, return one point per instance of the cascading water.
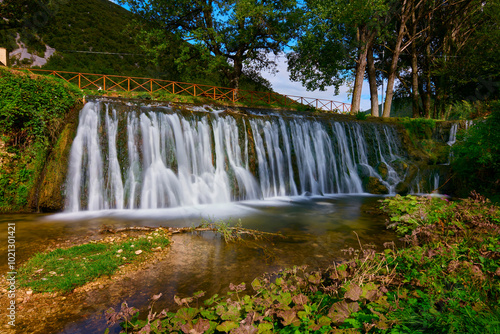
(151, 157)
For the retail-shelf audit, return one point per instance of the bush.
(32, 110)
(477, 155)
(31, 104)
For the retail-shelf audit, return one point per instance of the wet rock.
(383, 170)
(375, 186)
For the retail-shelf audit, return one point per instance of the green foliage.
(419, 128)
(32, 109)
(361, 116)
(445, 280)
(32, 105)
(227, 37)
(477, 155)
(461, 110)
(450, 274)
(66, 269)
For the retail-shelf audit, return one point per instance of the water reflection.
(316, 229)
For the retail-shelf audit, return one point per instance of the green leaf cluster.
(445, 280)
(32, 110)
(477, 155)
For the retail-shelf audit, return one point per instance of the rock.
(375, 186)
(119, 251)
(383, 170)
(29, 292)
(138, 252)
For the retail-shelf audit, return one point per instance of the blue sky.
(282, 84)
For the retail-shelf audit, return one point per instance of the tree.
(230, 35)
(338, 39)
(442, 44)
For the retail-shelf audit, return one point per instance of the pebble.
(157, 249)
(119, 251)
(138, 252)
(52, 273)
(29, 292)
(124, 258)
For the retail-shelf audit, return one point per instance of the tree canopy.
(431, 51)
(232, 36)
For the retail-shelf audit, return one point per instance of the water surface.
(316, 229)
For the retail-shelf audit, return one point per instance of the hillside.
(97, 36)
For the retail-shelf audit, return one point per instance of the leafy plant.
(477, 155)
(361, 116)
(446, 279)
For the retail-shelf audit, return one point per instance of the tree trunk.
(426, 98)
(360, 71)
(394, 63)
(414, 66)
(236, 75)
(414, 82)
(373, 82)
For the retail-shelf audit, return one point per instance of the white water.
(146, 159)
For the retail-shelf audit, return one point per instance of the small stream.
(316, 230)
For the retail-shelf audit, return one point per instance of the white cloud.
(282, 84)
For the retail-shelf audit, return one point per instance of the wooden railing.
(106, 82)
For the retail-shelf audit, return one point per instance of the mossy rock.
(383, 170)
(375, 186)
(50, 190)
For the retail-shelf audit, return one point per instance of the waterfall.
(453, 134)
(129, 157)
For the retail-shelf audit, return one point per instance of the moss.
(375, 186)
(50, 195)
(32, 114)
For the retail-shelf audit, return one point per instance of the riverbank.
(446, 279)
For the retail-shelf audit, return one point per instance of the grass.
(189, 99)
(445, 280)
(65, 269)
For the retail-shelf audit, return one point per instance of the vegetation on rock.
(32, 112)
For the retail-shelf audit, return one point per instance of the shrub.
(32, 110)
(477, 155)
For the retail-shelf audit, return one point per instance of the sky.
(282, 84)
